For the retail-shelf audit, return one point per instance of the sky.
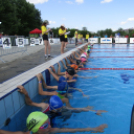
(93, 14)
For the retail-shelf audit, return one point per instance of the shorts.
(76, 41)
(66, 40)
(113, 41)
(86, 40)
(62, 38)
(45, 37)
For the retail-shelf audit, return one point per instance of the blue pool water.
(112, 91)
(109, 91)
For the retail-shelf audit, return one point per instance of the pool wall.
(12, 103)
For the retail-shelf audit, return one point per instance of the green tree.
(19, 17)
(8, 16)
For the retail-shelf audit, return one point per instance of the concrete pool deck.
(18, 63)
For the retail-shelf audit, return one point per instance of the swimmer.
(68, 77)
(75, 67)
(81, 57)
(55, 104)
(61, 90)
(39, 123)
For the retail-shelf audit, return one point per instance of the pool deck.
(18, 63)
(11, 84)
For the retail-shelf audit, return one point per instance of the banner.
(37, 41)
(132, 40)
(120, 40)
(6, 42)
(20, 42)
(41, 41)
(54, 41)
(0, 42)
(26, 41)
(32, 41)
(106, 40)
(93, 40)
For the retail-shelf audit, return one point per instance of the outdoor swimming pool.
(112, 91)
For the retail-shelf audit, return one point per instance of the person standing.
(76, 37)
(45, 38)
(87, 37)
(62, 32)
(66, 40)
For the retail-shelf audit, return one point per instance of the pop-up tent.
(35, 31)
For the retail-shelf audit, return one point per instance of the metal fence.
(14, 48)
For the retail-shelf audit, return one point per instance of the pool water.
(112, 91)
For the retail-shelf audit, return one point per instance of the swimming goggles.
(56, 110)
(45, 126)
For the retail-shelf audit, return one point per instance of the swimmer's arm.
(64, 64)
(40, 105)
(77, 58)
(52, 87)
(47, 93)
(78, 54)
(69, 81)
(29, 101)
(71, 130)
(76, 89)
(8, 132)
(59, 72)
(98, 112)
(78, 110)
(66, 101)
(81, 50)
(23, 91)
(67, 64)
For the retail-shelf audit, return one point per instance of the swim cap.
(70, 71)
(55, 102)
(35, 120)
(63, 87)
(83, 59)
(74, 66)
(78, 62)
(85, 53)
(89, 46)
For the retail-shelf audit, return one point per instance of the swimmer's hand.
(84, 95)
(89, 107)
(53, 68)
(98, 112)
(22, 90)
(99, 129)
(49, 69)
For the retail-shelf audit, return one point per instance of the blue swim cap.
(62, 87)
(55, 102)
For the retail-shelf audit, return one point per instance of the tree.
(8, 16)
(84, 29)
(19, 17)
